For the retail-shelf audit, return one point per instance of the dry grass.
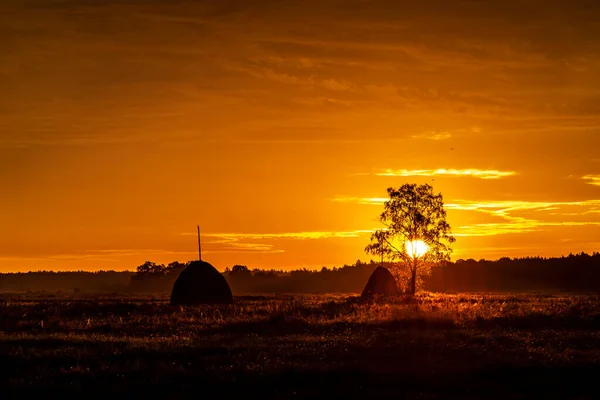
(434, 346)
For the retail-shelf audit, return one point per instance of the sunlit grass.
(139, 316)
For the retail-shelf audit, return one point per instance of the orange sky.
(278, 125)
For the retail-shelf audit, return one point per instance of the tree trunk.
(413, 278)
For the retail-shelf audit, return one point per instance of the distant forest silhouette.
(573, 273)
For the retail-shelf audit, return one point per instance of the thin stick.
(199, 246)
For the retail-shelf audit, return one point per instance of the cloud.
(502, 208)
(516, 226)
(367, 57)
(433, 135)
(475, 173)
(286, 235)
(361, 200)
(255, 242)
(235, 246)
(498, 206)
(336, 85)
(519, 224)
(592, 179)
(274, 71)
(234, 243)
(99, 255)
(74, 140)
(508, 211)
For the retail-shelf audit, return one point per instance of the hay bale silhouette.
(201, 283)
(381, 283)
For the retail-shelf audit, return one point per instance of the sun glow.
(416, 248)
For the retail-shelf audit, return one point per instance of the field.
(434, 346)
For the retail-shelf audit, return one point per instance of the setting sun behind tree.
(416, 231)
(416, 248)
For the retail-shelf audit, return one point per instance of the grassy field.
(434, 346)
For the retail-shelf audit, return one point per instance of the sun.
(416, 248)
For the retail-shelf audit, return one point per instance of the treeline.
(72, 281)
(151, 277)
(346, 279)
(574, 273)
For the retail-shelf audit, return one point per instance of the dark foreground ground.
(464, 346)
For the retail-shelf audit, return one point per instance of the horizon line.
(291, 269)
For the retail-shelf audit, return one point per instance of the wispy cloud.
(285, 235)
(507, 212)
(518, 224)
(235, 246)
(513, 225)
(99, 255)
(263, 242)
(306, 80)
(434, 135)
(521, 225)
(235, 243)
(504, 207)
(592, 179)
(474, 173)
(361, 200)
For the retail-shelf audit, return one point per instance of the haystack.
(381, 283)
(201, 283)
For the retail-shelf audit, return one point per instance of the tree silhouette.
(150, 267)
(413, 213)
(240, 273)
(175, 268)
(240, 269)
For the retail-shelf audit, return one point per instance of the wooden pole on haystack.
(199, 246)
